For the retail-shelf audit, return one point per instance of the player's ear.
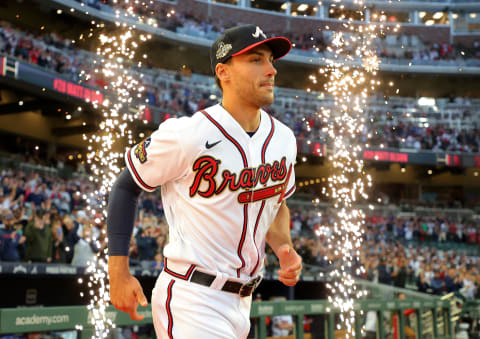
(223, 72)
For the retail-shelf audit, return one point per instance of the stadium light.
(455, 15)
(284, 6)
(437, 15)
(424, 101)
(473, 15)
(302, 7)
(429, 22)
(421, 15)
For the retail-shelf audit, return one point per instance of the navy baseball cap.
(241, 39)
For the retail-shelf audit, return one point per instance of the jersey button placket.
(251, 217)
(251, 164)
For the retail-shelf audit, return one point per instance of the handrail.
(41, 319)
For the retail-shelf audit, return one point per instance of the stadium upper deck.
(425, 123)
(442, 124)
(426, 39)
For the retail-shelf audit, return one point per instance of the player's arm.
(279, 239)
(125, 290)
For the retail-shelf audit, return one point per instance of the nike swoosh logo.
(208, 146)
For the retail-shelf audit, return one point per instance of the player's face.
(253, 76)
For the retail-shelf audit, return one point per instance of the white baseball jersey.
(221, 188)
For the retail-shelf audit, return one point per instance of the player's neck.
(247, 116)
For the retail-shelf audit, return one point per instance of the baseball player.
(225, 174)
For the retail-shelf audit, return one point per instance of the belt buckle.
(247, 288)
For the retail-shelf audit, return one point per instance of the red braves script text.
(206, 169)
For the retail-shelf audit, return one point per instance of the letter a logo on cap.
(258, 32)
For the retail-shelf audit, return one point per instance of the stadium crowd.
(404, 134)
(49, 51)
(46, 219)
(436, 138)
(176, 95)
(404, 46)
(397, 251)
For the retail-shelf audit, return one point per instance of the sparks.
(116, 68)
(349, 82)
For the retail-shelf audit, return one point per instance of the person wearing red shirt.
(409, 332)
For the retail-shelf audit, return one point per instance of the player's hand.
(126, 293)
(290, 265)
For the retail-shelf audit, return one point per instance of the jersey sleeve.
(159, 158)
(291, 160)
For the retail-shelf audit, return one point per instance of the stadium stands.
(44, 219)
(413, 45)
(448, 124)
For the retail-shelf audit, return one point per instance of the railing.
(436, 312)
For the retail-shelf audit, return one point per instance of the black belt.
(244, 290)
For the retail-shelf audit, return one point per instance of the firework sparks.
(114, 63)
(349, 82)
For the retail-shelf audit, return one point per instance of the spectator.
(443, 231)
(282, 325)
(452, 281)
(468, 288)
(271, 260)
(85, 249)
(384, 273)
(409, 332)
(437, 283)
(61, 199)
(39, 238)
(400, 273)
(59, 247)
(70, 235)
(12, 200)
(146, 244)
(158, 263)
(10, 239)
(423, 284)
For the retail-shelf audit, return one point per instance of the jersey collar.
(235, 129)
